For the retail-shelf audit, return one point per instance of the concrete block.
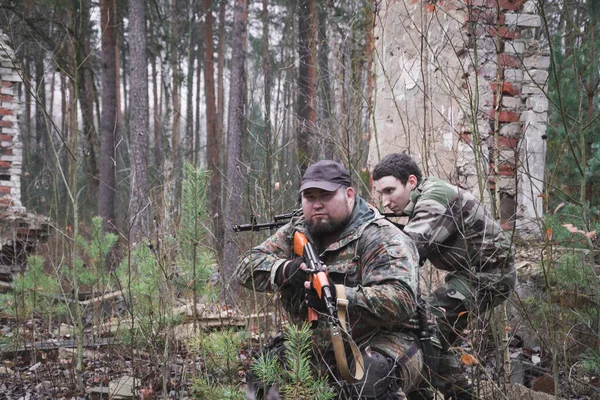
(523, 20)
(512, 103)
(511, 130)
(9, 131)
(7, 90)
(537, 104)
(515, 47)
(507, 184)
(532, 89)
(10, 105)
(6, 71)
(11, 78)
(533, 117)
(513, 75)
(537, 62)
(538, 76)
(9, 118)
(530, 7)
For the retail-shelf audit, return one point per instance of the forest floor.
(42, 366)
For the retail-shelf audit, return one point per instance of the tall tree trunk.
(85, 81)
(198, 160)
(157, 121)
(307, 82)
(221, 69)
(139, 211)
(234, 148)
(212, 137)
(176, 31)
(324, 87)
(189, 121)
(109, 128)
(268, 84)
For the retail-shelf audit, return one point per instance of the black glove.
(291, 274)
(318, 304)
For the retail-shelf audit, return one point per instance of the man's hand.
(317, 303)
(292, 273)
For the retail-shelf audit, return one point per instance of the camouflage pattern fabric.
(456, 233)
(376, 262)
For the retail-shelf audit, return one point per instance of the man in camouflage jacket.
(373, 259)
(456, 233)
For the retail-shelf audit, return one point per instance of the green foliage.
(575, 271)
(296, 379)
(34, 292)
(203, 388)
(220, 352)
(89, 265)
(195, 260)
(591, 361)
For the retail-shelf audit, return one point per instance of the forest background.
(172, 121)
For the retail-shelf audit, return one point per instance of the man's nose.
(317, 203)
(385, 201)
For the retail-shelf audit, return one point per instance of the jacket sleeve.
(430, 225)
(256, 269)
(389, 277)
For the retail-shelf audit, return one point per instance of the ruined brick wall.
(20, 231)
(11, 155)
(461, 85)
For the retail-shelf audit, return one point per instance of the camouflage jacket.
(376, 262)
(455, 232)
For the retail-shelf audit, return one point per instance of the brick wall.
(457, 82)
(20, 231)
(11, 155)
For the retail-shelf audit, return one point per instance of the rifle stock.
(317, 276)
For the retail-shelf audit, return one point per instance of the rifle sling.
(343, 329)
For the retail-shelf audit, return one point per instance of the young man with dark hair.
(376, 264)
(456, 233)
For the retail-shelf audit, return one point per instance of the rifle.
(338, 325)
(317, 276)
(280, 220)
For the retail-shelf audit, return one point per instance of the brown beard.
(326, 228)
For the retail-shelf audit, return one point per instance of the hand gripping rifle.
(338, 325)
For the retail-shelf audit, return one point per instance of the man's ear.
(412, 181)
(350, 192)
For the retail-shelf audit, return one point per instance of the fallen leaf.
(468, 359)
(591, 235)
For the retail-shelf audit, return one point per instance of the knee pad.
(379, 379)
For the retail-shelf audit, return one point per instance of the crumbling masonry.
(461, 86)
(19, 230)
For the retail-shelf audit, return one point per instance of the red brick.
(507, 143)
(506, 169)
(4, 111)
(506, 60)
(511, 4)
(4, 189)
(6, 138)
(503, 116)
(4, 97)
(484, 17)
(6, 202)
(466, 137)
(506, 88)
(6, 152)
(7, 84)
(6, 124)
(5, 164)
(504, 32)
